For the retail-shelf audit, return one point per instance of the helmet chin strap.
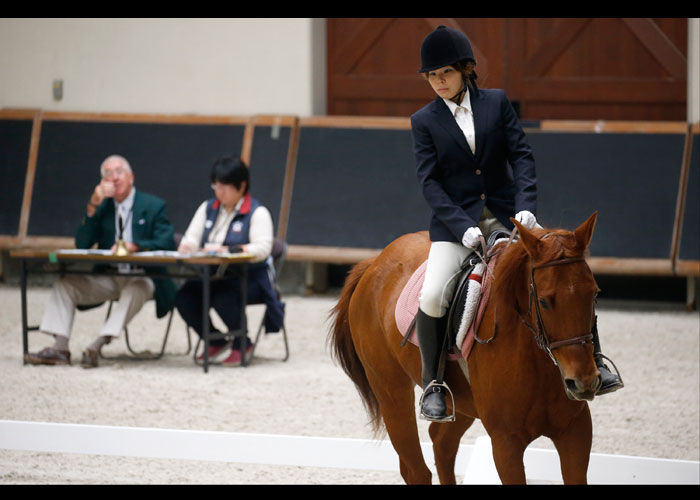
(471, 82)
(472, 79)
(457, 98)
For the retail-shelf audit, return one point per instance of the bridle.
(541, 337)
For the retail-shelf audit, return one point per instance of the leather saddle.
(459, 297)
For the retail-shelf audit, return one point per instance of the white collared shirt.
(126, 209)
(465, 118)
(260, 234)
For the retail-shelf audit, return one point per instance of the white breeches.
(72, 290)
(444, 263)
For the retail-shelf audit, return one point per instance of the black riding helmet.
(443, 47)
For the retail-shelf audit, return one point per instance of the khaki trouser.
(444, 263)
(72, 290)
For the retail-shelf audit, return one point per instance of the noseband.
(540, 334)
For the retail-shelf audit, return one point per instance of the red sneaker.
(214, 350)
(234, 358)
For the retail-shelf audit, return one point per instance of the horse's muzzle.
(579, 390)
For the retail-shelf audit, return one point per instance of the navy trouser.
(224, 297)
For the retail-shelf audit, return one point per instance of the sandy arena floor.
(656, 415)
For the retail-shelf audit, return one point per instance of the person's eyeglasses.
(111, 173)
(219, 185)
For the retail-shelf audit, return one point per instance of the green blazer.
(151, 230)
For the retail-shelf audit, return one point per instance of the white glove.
(471, 237)
(527, 219)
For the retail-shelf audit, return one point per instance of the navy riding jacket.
(456, 183)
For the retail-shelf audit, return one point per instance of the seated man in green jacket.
(114, 204)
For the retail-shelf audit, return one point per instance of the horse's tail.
(343, 349)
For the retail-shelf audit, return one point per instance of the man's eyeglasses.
(108, 174)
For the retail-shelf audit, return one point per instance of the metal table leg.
(206, 299)
(25, 328)
(205, 315)
(244, 317)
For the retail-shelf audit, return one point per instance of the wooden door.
(593, 68)
(583, 68)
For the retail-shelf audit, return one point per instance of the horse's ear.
(584, 233)
(530, 241)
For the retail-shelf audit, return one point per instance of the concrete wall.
(200, 66)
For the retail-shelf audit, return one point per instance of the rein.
(540, 334)
(485, 258)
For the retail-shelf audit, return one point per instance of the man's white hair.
(115, 157)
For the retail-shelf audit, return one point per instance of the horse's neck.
(511, 313)
(509, 309)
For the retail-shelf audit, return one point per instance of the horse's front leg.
(508, 451)
(574, 447)
(446, 437)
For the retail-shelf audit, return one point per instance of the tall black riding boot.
(431, 339)
(610, 382)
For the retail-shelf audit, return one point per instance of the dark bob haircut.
(231, 170)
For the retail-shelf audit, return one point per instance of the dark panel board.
(15, 141)
(690, 239)
(268, 161)
(355, 188)
(172, 161)
(630, 179)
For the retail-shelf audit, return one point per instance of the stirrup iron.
(439, 385)
(616, 372)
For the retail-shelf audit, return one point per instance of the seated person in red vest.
(232, 221)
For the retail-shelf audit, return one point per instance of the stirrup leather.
(447, 418)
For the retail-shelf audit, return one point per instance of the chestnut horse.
(521, 386)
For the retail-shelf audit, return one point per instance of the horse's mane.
(512, 280)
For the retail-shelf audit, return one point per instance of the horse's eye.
(544, 304)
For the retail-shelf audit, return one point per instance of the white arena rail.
(542, 466)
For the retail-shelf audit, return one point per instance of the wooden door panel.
(582, 68)
(594, 68)
(373, 63)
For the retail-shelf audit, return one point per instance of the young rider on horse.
(463, 142)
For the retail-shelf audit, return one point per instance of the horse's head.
(560, 310)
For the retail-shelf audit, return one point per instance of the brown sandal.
(48, 356)
(90, 358)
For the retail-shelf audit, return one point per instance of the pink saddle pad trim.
(407, 308)
(407, 305)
